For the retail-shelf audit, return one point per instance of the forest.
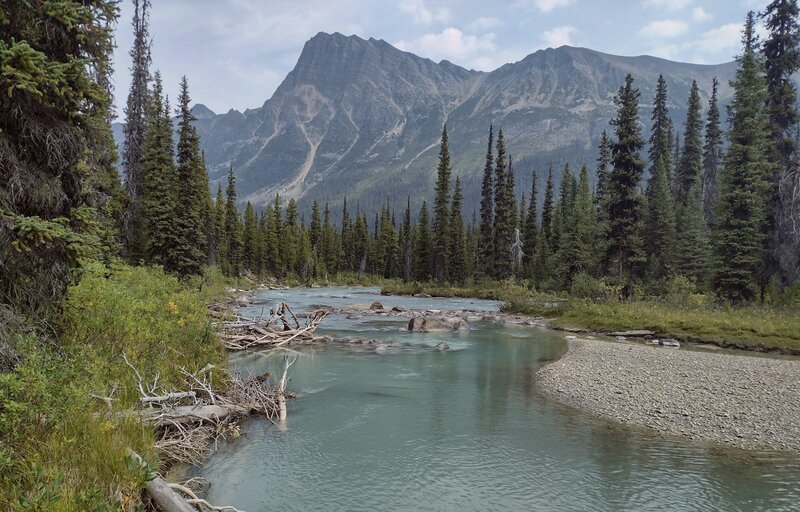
(94, 266)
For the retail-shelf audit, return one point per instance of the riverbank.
(736, 400)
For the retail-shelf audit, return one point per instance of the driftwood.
(281, 328)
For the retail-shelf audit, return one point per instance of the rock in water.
(427, 324)
(669, 343)
(634, 333)
(441, 347)
(375, 306)
(422, 295)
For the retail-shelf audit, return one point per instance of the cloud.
(483, 23)
(700, 15)
(664, 29)
(453, 44)
(668, 5)
(549, 5)
(725, 38)
(559, 36)
(421, 14)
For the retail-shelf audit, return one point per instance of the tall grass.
(60, 449)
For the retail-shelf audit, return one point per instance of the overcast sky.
(235, 53)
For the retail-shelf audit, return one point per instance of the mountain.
(361, 118)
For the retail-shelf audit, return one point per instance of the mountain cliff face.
(361, 118)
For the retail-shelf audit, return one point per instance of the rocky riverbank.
(738, 400)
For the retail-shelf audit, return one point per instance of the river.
(462, 430)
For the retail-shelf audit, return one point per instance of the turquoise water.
(463, 430)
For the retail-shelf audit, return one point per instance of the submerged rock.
(375, 306)
(428, 324)
(422, 295)
(441, 347)
(669, 343)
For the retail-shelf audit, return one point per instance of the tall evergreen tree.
(485, 264)
(692, 260)
(661, 132)
(218, 245)
(329, 251)
(659, 233)
(408, 245)
(690, 167)
(504, 213)
(712, 158)
(603, 169)
(315, 229)
(531, 229)
(547, 209)
(782, 60)
(458, 240)
(441, 214)
(584, 230)
(738, 237)
(347, 256)
(423, 257)
(291, 241)
(134, 127)
(624, 200)
(158, 195)
(190, 251)
(274, 237)
(250, 239)
(233, 234)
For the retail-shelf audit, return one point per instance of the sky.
(235, 53)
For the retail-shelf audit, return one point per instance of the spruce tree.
(250, 239)
(584, 232)
(690, 167)
(740, 217)
(218, 247)
(329, 251)
(408, 245)
(190, 251)
(458, 241)
(486, 251)
(504, 213)
(624, 201)
(347, 255)
(158, 194)
(134, 129)
(712, 158)
(782, 60)
(603, 169)
(291, 241)
(315, 230)
(423, 247)
(274, 237)
(661, 131)
(659, 233)
(233, 234)
(361, 243)
(692, 259)
(547, 210)
(441, 214)
(531, 229)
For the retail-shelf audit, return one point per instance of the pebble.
(739, 400)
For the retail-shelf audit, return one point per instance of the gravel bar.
(739, 400)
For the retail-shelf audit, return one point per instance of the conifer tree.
(291, 242)
(458, 241)
(233, 236)
(158, 194)
(740, 217)
(712, 158)
(134, 129)
(273, 236)
(547, 210)
(250, 239)
(659, 233)
(347, 255)
(408, 245)
(190, 251)
(361, 242)
(690, 167)
(423, 249)
(782, 60)
(584, 232)
(692, 238)
(603, 169)
(329, 251)
(441, 214)
(624, 201)
(486, 251)
(531, 229)
(315, 230)
(504, 213)
(661, 132)
(218, 247)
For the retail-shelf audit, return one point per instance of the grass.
(59, 449)
(749, 327)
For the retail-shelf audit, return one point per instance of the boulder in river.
(375, 306)
(422, 295)
(441, 347)
(669, 342)
(428, 324)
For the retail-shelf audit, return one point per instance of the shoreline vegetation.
(686, 317)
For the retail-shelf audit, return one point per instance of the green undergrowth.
(60, 449)
(749, 327)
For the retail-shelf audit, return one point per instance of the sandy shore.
(738, 400)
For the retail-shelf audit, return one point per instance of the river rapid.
(414, 428)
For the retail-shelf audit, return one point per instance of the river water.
(462, 430)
